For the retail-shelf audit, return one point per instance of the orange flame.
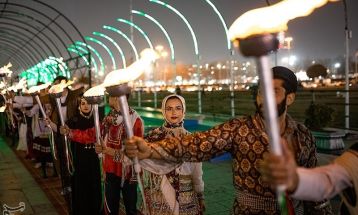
(38, 88)
(95, 91)
(58, 88)
(132, 72)
(272, 19)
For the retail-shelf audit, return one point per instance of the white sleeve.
(197, 176)
(34, 110)
(321, 183)
(23, 101)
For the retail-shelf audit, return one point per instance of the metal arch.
(39, 53)
(157, 23)
(43, 24)
(26, 30)
(38, 32)
(111, 28)
(222, 22)
(78, 47)
(18, 64)
(59, 26)
(11, 40)
(79, 54)
(67, 19)
(22, 57)
(95, 52)
(20, 61)
(99, 34)
(144, 34)
(16, 45)
(98, 42)
(76, 50)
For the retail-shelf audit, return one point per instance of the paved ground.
(17, 185)
(21, 182)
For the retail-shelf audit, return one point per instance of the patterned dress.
(175, 191)
(247, 142)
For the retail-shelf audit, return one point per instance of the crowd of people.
(96, 177)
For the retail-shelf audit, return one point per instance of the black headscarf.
(81, 120)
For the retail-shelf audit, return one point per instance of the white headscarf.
(164, 102)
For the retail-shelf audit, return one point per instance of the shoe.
(37, 165)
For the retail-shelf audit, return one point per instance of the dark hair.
(60, 78)
(288, 76)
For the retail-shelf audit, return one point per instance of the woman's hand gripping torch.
(94, 96)
(56, 92)
(34, 91)
(116, 84)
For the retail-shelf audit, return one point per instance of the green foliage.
(319, 116)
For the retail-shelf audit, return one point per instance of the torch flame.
(6, 70)
(21, 84)
(58, 88)
(133, 71)
(38, 88)
(95, 91)
(272, 19)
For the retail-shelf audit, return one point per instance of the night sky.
(321, 35)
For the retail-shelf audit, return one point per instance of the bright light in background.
(337, 65)
(302, 75)
(291, 60)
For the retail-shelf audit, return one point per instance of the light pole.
(348, 36)
(356, 55)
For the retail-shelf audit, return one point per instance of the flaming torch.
(34, 91)
(94, 96)
(255, 34)
(116, 84)
(56, 92)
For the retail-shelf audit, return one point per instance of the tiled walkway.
(17, 185)
(20, 184)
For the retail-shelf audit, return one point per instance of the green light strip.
(111, 28)
(139, 29)
(141, 13)
(86, 52)
(115, 44)
(106, 48)
(79, 54)
(101, 72)
(223, 23)
(185, 21)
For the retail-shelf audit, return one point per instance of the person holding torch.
(247, 141)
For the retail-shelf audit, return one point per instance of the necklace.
(87, 117)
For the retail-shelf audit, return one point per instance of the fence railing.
(216, 104)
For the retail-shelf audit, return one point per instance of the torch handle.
(58, 103)
(270, 109)
(96, 126)
(128, 125)
(40, 105)
(11, 113)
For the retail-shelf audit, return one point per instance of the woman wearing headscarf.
(169, 190)
(86, 179)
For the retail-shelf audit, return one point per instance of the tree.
(316, 70)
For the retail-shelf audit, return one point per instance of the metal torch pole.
(270, 113)
(129, 130)
(58, 103)
(96, 124)
(44, 115)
